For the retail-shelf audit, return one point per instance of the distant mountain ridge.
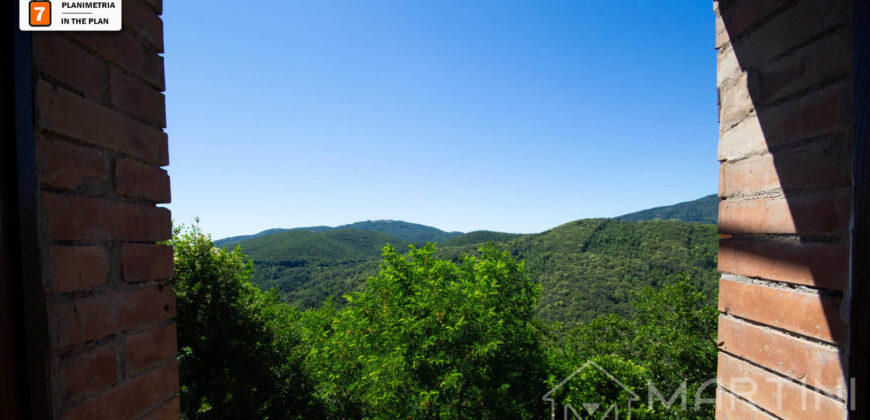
(586, 268)
(410, 232)
(702, 210)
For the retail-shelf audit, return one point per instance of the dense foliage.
(585, 268)
(670, 344)
(479, 237)
(702, 210)
(238, 351)
(591, 267)
(428, 338)
(435, 335)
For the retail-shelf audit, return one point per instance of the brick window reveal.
(99, 148)
(786, 141)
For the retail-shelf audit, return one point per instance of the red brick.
(742, 15)
(147, 262)
(117, 312)
(77, 218)
(169, 411)
(148, 348)
(144, 20)
(157, 5)
(132, 95)
(131, 399)
(775, 394)
(63, 60)
(793, 27)
(747, 176)
(64, 326)
(140, 180)
(820, 213)
(78, 268)
(125, 50)
(817, 164)
(808, 314)
(823, 60)
(822, 112)
(804, 361)
(88, 372)
(729, 407)
(65, 165)
(163, 150)
(813, 264)
(66, 113)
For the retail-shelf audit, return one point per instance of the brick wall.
(99, 116)
(786, 151)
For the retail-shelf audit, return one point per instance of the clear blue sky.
(464, 115)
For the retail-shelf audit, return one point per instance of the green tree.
(671, 342)
(428, 338)
(239, 354)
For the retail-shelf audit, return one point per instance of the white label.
(54, 15)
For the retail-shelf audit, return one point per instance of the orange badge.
(40, 13)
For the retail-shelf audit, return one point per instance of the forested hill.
(410, 232)
(702, 210)
(586, 268)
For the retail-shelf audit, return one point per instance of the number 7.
(41, 11)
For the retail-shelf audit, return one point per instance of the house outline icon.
(590, 408)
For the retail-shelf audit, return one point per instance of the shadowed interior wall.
(786, 113)
(99, 145)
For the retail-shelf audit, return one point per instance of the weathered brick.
(804, 361)
(735, 104)
(793, 27)
(169, 411)
(815, 165)
(116, 312)
(147, 262)
(136, 97)
(747, 176)
(77, 218)
(744, 139)
(729, 407)
(721, 33)
(63, 112)
(141, 180)
(813, 264)
(163, 150)
(808, 314)
(130, 399)
(822, 112)
(774, 393)
(64, 61)
(66, 165)
(741, 15)
(823, 60)
(125, 50)
(88, 372)
(144, 20)
(148, 348)
(727, 66)
(78, 268)
(821, 213)
(64, 328)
